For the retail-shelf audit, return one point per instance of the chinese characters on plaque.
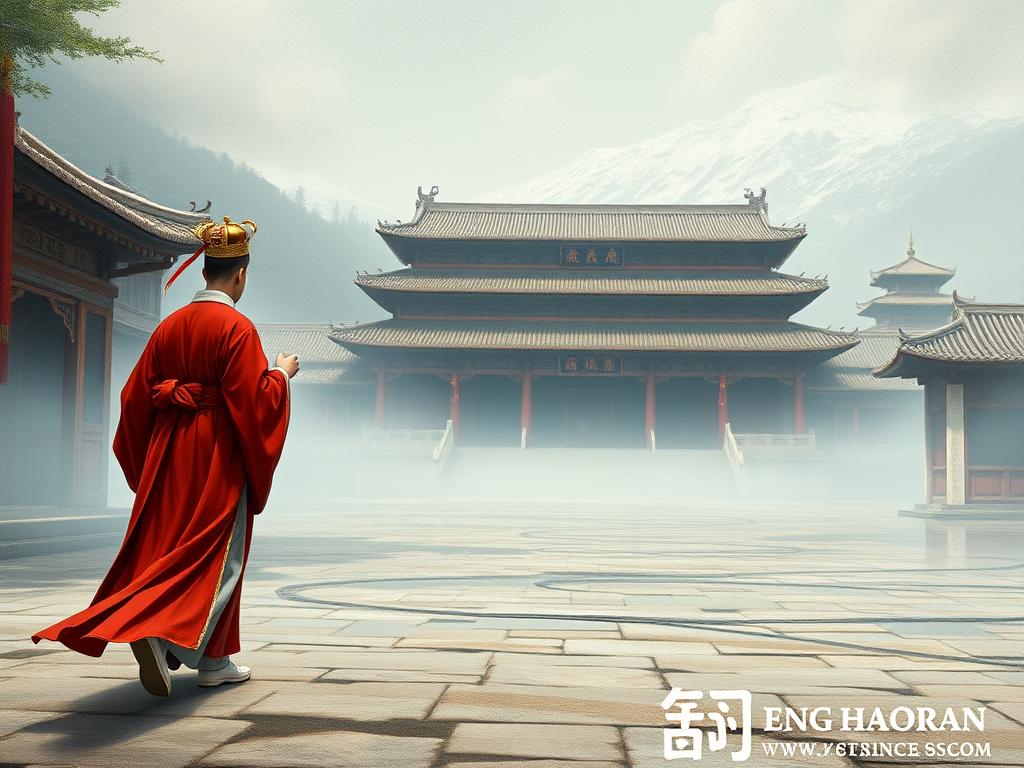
(592, 256)
(588, 364)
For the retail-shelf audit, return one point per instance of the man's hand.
(288, 363)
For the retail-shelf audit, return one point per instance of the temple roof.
(852, 369)
(912, 267)
(846, 379)
(873, 350)
(978, 334)
(611, 336)
(165, 223)
(629, 223)
(601, 282)
(321, 361)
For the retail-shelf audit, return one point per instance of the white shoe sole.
(222, 680)
(153, 672)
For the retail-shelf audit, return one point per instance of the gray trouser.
(194, 658)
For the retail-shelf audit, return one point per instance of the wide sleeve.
(258, 401)
(135, 425)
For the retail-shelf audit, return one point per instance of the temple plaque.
(592, 255)
(589, 365)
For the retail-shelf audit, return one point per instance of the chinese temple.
(972, 369)
(591, 325)
(849, 406)
(79, 246)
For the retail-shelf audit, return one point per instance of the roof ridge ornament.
(757, 201)
(910, 246)
(424, 199)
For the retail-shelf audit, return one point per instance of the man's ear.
(241, 274)
(204, 273)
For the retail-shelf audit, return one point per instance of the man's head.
(227, 275)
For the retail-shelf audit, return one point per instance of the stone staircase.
(589, 473)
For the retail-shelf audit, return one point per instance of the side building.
(74, 238)
(591, 325)
(972, 369)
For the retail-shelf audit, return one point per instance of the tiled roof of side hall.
(978, 333)
(874, 350)
(602, 282)
(165, 223)
(846, 379)
(851, 370)
(629, 223)
(310, 341)
(609, 336)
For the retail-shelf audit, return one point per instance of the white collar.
(213, 295)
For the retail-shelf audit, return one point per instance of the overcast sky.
(474, 95)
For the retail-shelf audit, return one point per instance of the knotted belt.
(171, 393)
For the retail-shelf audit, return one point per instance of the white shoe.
(153, 673)
(230, 673)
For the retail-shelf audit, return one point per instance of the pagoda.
(912, 300)
(849, 406)
(591, 325)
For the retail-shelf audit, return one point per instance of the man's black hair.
(220, 268)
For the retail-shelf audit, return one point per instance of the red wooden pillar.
(526, 408)
(6, 207)
(380, 402)
(649, 409)
(453, 404)
(723, 406)
(799, 420)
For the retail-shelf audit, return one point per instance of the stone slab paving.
(532, 637)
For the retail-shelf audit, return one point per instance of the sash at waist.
(171, 393)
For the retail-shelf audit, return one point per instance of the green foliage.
(34, 32)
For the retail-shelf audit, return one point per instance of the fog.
(352, 462)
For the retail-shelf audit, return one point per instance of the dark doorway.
(31, 407)
(489, 411)
(588, 413)
(686, 413)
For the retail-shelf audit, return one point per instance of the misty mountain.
(859, 178)
(303, 263)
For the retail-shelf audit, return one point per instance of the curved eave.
(159, 224)
(885, 304)
(445, 336)
(592, 283)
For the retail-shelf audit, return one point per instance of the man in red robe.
(203, 423)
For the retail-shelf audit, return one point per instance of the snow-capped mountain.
(859, 176)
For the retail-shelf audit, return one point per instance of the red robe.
(201, 419)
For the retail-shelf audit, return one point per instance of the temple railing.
(769, 443)
(734, 454)
(443, 448)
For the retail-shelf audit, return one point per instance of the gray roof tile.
(166, 223)
(636, 282)
(607, 336)
(630, 223)
(979, 333)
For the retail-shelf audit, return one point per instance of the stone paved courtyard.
(470, 634)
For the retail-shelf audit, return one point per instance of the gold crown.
(228, 240)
